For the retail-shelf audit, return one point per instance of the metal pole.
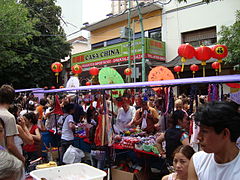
(143, 44)
(129, 38)
(134, 58)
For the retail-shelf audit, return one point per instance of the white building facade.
(195, 22)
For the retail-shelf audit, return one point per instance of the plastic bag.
(73, 155)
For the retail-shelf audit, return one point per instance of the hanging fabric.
(213, 92)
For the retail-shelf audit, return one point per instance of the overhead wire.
(28, 52)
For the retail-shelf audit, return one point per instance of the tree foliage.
(45, 45)
(16, 28)
(230, 36)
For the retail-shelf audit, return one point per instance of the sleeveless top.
(32, 147)
(207, 168)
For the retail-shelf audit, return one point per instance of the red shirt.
(31, 147)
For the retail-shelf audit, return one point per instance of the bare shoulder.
(19, 128)
(192, 175)
(165, 177)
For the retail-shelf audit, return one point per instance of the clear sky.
(77, 12)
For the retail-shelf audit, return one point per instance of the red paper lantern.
(94, 71)
(76, 69)
(88, 83)
(186, 51)
(57, 67)
(194, 68)
(219, 52)
(177, 69)
(128, 71)
(203, 54)
(216, 65)
(53, 87)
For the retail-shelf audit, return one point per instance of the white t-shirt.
(207, 169)
(123, 118)
(67, 133)
(238, 142)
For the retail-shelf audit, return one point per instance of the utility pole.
(142, 37)
(129, 38)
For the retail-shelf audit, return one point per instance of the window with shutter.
(207, 37)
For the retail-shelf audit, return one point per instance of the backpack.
(172, 138)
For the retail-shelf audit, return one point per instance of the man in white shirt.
(219, 130)
(125, 115)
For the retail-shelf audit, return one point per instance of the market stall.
(133, 140)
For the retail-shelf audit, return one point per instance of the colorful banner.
(119, 52)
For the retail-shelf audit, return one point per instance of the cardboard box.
(122, 175)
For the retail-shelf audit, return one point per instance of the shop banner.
(119, 52)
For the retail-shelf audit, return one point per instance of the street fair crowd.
(187, 136)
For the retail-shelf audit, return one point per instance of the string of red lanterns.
(203, 54)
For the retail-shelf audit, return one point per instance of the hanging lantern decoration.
(94, 71)
(76, 69)
(53, 87)
(216, 66)
(177, 69)
(203, 54)
(128, 71)
(219, 52)
(60, 87)
(57, 67)
(194, 68)
(88, 83)
(45, 88)
(186, 51)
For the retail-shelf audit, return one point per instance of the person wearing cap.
(146, 117)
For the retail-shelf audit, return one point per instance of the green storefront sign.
(119, 53)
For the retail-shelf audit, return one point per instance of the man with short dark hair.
(219, 129)
(7, 95)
